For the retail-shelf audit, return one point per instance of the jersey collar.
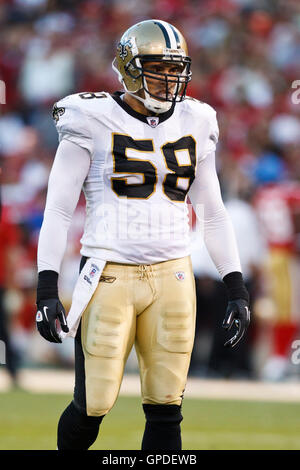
(141, 117)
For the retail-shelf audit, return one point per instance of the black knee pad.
(76, 430)
(163, 413)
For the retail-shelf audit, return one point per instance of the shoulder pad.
(207, 114)
(72, 122)
(200, 107)
(80, 101)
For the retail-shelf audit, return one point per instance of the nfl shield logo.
(93, 270)
(153, 121)
(180, 275)
(39, 316)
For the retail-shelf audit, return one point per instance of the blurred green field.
(28, 422)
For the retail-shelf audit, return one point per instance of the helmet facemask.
(174, 84)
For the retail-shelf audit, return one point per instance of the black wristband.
(47, 285)
(236, 288)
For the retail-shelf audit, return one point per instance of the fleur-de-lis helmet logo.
(123, 48)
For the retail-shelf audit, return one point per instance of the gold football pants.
(153, 306)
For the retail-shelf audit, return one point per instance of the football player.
(137, 154)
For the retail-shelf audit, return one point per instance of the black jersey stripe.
(176, 36)
(165, 33)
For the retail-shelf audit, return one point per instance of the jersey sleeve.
(215, 224)
(212, 136)
(72, 123)
(69, 170)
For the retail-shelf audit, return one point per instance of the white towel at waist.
(83, 291)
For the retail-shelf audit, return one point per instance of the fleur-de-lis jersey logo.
(57, 112)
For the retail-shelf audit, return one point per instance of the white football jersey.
(140, 173)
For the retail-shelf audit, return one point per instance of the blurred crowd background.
(245, 63)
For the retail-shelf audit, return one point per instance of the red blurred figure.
(9, 239)
(278, 208)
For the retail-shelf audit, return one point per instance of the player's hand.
(237, 314)
(50, 314)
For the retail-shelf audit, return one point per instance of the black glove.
(50, 314)
(237, 313)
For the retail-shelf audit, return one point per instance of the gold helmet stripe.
(168, 33)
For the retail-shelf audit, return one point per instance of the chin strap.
(152, 104)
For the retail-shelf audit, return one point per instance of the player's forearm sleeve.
(69, 170)
(213, 219)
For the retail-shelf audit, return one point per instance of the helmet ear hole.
(133, 71)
